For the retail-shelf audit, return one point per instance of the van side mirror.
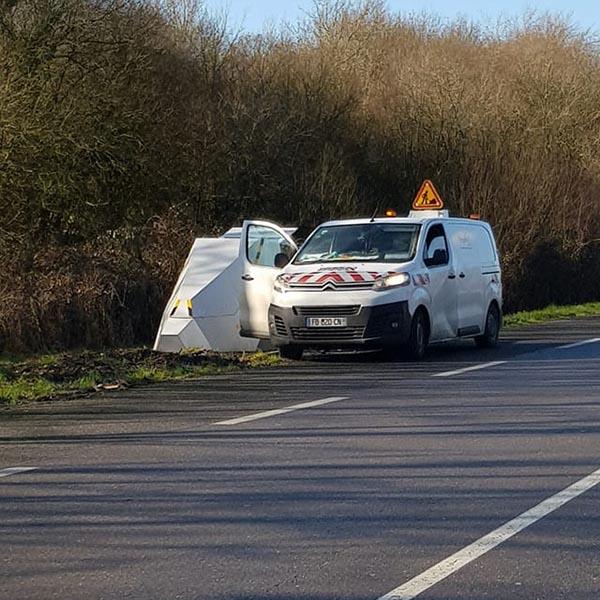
(281, 260)
(440, 257)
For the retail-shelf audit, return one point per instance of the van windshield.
(374, 242)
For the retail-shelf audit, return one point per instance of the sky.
(252, 16)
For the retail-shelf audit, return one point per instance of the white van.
(397, 283)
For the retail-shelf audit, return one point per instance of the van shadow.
(455, 351)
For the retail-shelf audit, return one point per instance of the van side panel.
(491, 270)
(476, 264)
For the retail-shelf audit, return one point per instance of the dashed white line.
(582, 343)
(14, 470)
(453, 563)
(280, 411)
(472, 368)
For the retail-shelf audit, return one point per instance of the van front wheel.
(489, 339)
(419, 337)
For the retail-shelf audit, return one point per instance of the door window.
(436, 247)
(264, 244)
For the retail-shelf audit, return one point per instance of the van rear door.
(260, 244)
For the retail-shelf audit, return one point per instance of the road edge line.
(417, 585)
(581, 343)
(8, 471)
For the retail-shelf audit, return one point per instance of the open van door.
(261, 243)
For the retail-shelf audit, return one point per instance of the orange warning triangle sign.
(427, 197)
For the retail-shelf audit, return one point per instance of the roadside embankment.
(67, 374)
(75, 373)
(552, 313)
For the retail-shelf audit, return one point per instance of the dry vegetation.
(128, 127)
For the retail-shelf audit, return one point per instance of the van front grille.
(327, 311)
(327, 334)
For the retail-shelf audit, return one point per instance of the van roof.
(409, 220)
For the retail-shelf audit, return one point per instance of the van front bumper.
(377, 326)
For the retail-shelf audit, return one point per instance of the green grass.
(48, 360)
(86, 383)
(552, 313)
(264, 359)
(26, 389)
(156, 375)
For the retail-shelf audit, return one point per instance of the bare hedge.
(127, 128)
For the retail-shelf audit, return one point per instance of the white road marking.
(501, 362)
(280, 411)
(14, 470)
(582, 343)
(467, 369)
(453, 563)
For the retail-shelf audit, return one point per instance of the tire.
(418, 340)
(489, 339)
(290, 352)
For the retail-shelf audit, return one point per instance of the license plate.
(326, 322)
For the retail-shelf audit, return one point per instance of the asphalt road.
(140, 494)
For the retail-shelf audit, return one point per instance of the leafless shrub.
(128, 127)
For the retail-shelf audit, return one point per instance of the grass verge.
(76, 373)
(552, 313)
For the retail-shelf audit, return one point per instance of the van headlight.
(281, 283)
(391, 281)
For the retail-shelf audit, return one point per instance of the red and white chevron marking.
(337, 278)
(321, 277)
